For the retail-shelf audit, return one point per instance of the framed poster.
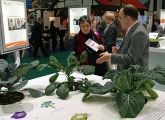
(13, 25)
(74, 16)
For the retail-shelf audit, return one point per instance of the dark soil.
(10, 98)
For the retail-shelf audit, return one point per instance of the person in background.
(110, 32)
(46, 37)
(36, 36)
(134, 49)
(101, 26)
(53, 33)
(84, 34)
(159, 28)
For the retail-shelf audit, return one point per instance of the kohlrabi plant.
(73, 64)
(11, 80)
(129, 86)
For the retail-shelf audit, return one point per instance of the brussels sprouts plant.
(73, 64)
(129, 86)
(11, 80)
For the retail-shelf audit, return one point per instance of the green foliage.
(11, 76)
(35, 93)
(17, 86)
(80, 116)
(87, 69)
(73, 64)
(54, 78)
(63, 91)
(128, 86)
(130, 104)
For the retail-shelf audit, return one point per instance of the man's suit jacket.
(134, 50)
(110, 36)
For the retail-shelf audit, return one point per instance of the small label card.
(92, 44)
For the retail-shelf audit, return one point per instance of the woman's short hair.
(84, 18)
(130, 10)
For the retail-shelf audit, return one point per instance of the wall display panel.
(56, 21)
(13, 25)
(74, 15)
(72, 2)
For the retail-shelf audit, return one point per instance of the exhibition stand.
(97, 107)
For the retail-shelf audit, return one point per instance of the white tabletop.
(157, 50)
(98, 107)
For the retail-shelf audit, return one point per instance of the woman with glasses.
(84, 34)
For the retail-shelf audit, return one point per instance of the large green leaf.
(53, 59)
(87, 69)
(35, 93)
(83, 56)
(9, 81)
(41, 67)
(71, 58)
(63, 91)
(110, 74)
(150, 91)
(96, 90)
(158, 74)
(34, 63)
(21, 71)
(130, 104)
(50, 89)
(139, 84)
(53, 78)
(88, 91)
(123, 81)
(53, 62)
(18, 86)
(107, 87)
(70, 68)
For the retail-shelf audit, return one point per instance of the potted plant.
(69, 84)
(154, 42)
(130, 88)
(11, 80)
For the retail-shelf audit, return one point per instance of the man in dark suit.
(110, 32)
(36, 36)
(135, 47)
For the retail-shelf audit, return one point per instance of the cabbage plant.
(73, 64)
(129, 87)
(11, 80)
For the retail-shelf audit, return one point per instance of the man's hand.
(105, 57)
(101, 47)
(115, 49)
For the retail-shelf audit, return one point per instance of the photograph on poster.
(16, 23)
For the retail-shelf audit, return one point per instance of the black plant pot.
(10, 97)
(154, 44)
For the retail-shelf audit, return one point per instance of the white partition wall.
(74, 14)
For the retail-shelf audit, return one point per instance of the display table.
(158, 50)
(99, 107)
